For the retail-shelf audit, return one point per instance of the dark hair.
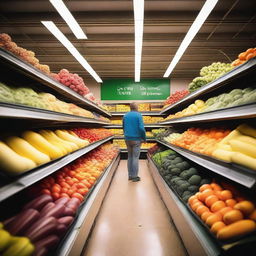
(134, 106)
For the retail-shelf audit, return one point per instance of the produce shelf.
(143, 150)
(73, 242)
(145, 113)
(145, 125)
(239, 112)
(14, 111)
(219, 82)
(39, 173)
(235, 173)
(196, 239)
(32, 72)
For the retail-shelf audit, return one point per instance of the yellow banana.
(16, 248)
(28, 250)
(5, 239)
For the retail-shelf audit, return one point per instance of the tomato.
(79, 196)
(64, 190)
(70, 182)
(46, 191)
(64, 195)
(83, 191)
(70, 192)
(64, 184)
(55, 195)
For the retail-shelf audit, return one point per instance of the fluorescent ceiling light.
(68, 17)
(138, 7)
(61, 37)
(200, 19)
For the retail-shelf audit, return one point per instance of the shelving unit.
(73, 242)
(15, 111)
(232, 172)
(235, 73)
(196, 239)
(239, 112)
(7, 58)
(39, 173)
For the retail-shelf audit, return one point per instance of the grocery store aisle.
(133, 220)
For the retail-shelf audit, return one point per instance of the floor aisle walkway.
(133, 220)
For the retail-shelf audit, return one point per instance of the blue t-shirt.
(133, 126)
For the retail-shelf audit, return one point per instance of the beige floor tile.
(133, 220)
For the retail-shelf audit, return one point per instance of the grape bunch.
(209, 74)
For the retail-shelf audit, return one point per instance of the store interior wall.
(175, 85)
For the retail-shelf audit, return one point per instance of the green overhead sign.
(127, 89)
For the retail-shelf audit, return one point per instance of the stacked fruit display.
(157, 131)
(238, 147)
(179, 174)
(235, 97)
(117, 131)
(92, 134)
(208, 74)
(175, 97)
(31, 149)
(116, 121)
(27, 96)
(244, 56)
(199, 140)
(149, 134)
(28, 56)
(222, 208)
(45, 219)
(121, 144)
(152, 119)
(122, 108)
(144, 107)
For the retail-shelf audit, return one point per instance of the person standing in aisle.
(134, 133)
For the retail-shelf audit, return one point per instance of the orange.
(218, 194)
(205, 194)
(205, 215)
(210, 200)
(216, 186)
(195, 205)
(232, 216)
(230, 202)
(218, 205)
(191, 199)
(204, 187)
(197, 194)
(224, 210)
(252, 216)
(226, 194)
(201, 209)
(213, 218)
(217, 226)
(246, 207)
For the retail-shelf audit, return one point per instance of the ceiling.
(229, 30)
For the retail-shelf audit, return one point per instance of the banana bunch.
(14, 245)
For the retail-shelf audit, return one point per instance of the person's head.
(134, 106)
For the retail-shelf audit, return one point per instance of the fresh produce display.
(143, 107)
(172, 137)
(31, 149)
(179, 174)
(238, 147)
(209, 74)
(199, 140)
(152, 119)
(244, 56)
(14, 245)
(27, 96)
(26, 55)
(192, 109)
(157, 131)
(122, 108)
(92, 134)
(175, 97)
(116, 121)
(45, 218)
(235, 97)
(228, 213)
(149, 134)
(121, 144)
(117, 131)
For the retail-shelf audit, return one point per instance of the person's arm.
(141, 128)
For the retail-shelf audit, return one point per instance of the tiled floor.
(133, 220)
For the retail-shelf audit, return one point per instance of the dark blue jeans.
(133, 148)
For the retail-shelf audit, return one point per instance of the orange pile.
(244, 56)
(227, 214)
(201, 140)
